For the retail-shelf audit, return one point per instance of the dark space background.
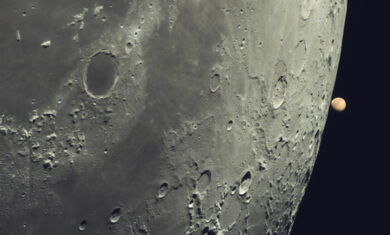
(347, 192)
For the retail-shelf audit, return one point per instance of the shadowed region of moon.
(101, 73)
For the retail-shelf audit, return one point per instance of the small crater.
(300, 56)
(129, 45)
(245, 183)
(143, 229)
(230, 125)
(191, 204)
(46, 44)
(262, 165)
(100, 74)
(115, 215)
(47, 164)
(306, 177)
(329, 61)
(317, 135)
(279, 92)
(233, 190)
(242, 44)
(215, 82)
(317, 143)
(203, 181)
(162, 192)
(247, 199)
(83, 225)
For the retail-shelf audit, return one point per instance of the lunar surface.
(162, 117)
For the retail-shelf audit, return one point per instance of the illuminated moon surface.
(162, 117)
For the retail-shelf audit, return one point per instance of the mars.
(338, 104)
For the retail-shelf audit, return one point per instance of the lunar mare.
(162, 117)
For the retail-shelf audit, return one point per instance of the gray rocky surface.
(162, 117)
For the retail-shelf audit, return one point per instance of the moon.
(162, 117)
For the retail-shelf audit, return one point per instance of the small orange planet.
(338, 104)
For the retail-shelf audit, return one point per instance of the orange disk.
(338, 104)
